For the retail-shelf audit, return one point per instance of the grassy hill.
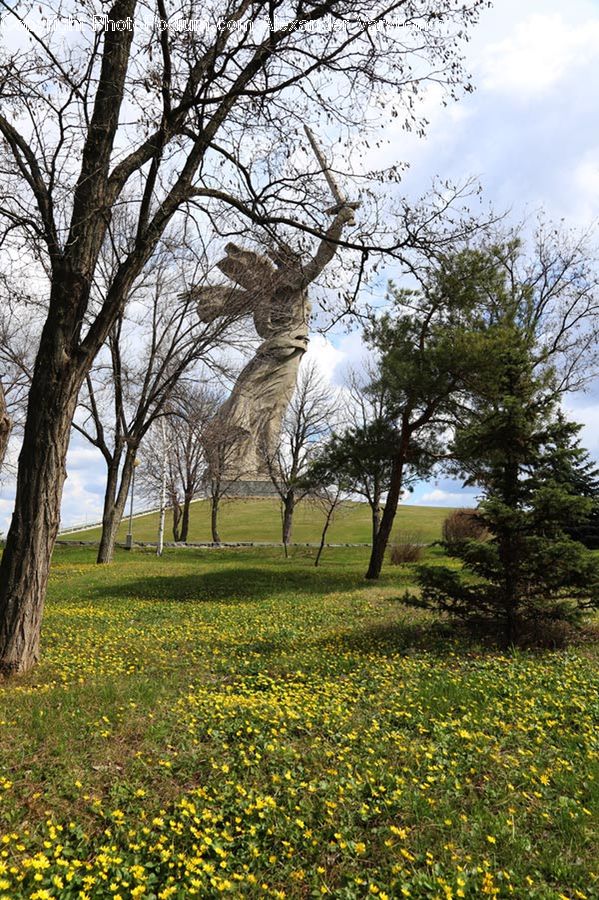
(260, 520)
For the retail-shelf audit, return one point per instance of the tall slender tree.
(426, 348)
(154, 343)
(5, 425)
(357, 457)
(221, 445)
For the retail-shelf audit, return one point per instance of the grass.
(260, 520)
(239, 725)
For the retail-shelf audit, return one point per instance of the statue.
(274, 290)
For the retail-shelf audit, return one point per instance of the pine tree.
(523, 454)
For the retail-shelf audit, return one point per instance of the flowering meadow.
(231, 723)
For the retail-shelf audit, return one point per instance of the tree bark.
(214, 519)
(176, 519)
(185, 517)
(288, 509)
(5, 426)
(379, 544)
(508, 547)
(323, 537)
(26, 560)
(114, 504)
(376, 519)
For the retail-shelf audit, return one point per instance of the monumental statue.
(273, 289)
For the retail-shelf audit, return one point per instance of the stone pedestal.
(251, 488)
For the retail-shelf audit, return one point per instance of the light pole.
(129, 538)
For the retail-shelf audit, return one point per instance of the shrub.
(407, 550)
(464, 525)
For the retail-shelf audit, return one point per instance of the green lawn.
(260, 520)
(236, 724)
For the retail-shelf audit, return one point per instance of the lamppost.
(129, 538)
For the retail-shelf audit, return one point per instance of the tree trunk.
(376, 519)
(214, 518)
(26, 561)
(114, 504)
(288, 509)
(323, 536)
(508, 541)
(185, 517)
(509, 562)
(379, 544)
(176, 519)
(5, 425)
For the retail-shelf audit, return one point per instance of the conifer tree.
(524, 455)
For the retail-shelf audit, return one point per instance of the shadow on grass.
(240, 583)
(442, 637)
(390, 638)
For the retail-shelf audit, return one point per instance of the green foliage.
(583, 475)
(359, 457)
(587, 532)
(517, 447)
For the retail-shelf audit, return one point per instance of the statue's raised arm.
(331, 242)
(343, 210)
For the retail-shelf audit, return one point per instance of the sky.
(529, 133)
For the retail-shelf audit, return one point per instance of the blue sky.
(529, 132)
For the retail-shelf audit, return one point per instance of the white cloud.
(82, 457)
(81, 503)
(538, 53)
(588, 417)
(584, 184)
(324, 355)
(439, 497)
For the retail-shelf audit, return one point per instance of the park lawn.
(260, 520)
(231, 723)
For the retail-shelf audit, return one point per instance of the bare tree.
(153, 344)
(19, 334)
(330, 499)
(221, 444)
(308, 420)
(148, 116)
(358, 454)
(185, 420)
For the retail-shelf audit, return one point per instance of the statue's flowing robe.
(250, 420)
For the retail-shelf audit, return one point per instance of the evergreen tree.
(358, 460)
(517, 447)
(582, 474)
(426, 344)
